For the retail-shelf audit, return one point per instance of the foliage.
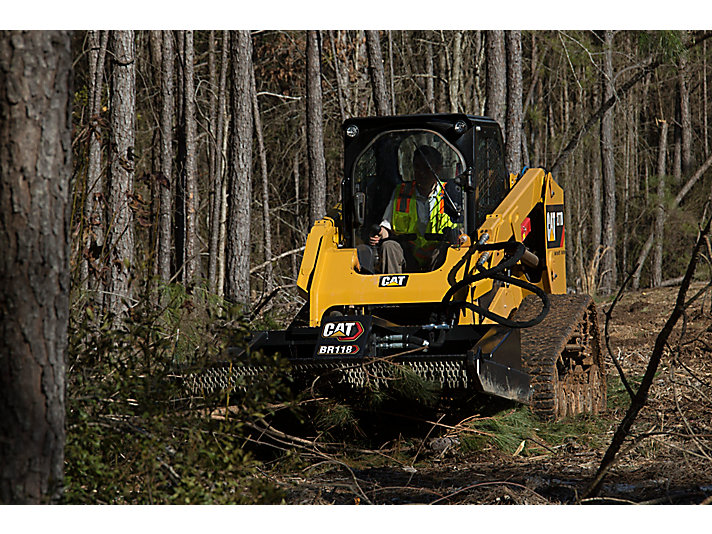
(132, 436)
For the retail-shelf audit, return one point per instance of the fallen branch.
(641, 396)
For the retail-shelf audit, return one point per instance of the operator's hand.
(377, 238)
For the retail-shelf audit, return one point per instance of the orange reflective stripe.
(404, 197)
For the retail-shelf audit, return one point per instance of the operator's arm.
(385, 224)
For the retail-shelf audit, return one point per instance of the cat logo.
(343, 331)
(393, 280)
(555, 226)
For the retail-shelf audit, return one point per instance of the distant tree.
(514, 114)
(496, 77)
(35, 170)
(315, 130)
(166, 181)
(608, 264)
(377, 74)
(93, 203)
(122, 121)
(237, 276)
(190, 179)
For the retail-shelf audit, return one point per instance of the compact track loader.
(491, 316)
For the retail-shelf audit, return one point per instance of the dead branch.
(641, 396)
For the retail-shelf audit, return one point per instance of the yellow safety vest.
(405, 219)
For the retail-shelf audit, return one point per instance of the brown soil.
(667, 459)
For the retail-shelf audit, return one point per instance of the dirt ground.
(667, 459)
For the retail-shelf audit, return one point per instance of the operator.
(416, 207)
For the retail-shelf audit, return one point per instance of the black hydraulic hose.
(495, 273)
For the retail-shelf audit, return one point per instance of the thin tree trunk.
(266, 219)
(430, 79)
(659, 226)
(217, 184)
(338, 75)
(376, 73)
(93, 208)
(496, 79)
(180, 193)
(391, 74)
(122, 118)
(165, 183)
(513, 148)
(192, 252)
(455, 72)
(608, 263)
(685, 115)
(315, 130)
(237, 276)
(35, 171)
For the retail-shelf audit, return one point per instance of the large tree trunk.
(455, 77)
(93, 206)
(496, 78)
(122, 119)
(608, 263)
(35, 169)
(165, 183)
(192, 252)
(219, 164)
(513, 148)
(315, 131)
(237, 276)
(376, 72)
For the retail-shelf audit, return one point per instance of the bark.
(376, 73)
(659, 226)
(166, 179)
(315, 131)
(513, 148)
(93, 204)
(391, 73)
(456, 72)
(35, 170)
(685, 116)
(430, 77)
(192, 252)
(608, 262)
(266, 219)
(496, 78)
(218, 171)
(237, 275)
(122, 119)
(338, 75)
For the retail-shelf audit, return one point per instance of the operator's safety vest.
(405, 219)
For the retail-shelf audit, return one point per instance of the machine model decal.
(393, 280)
(343, 331)
(338, 349)
(555, 226)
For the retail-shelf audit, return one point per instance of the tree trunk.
(685, 116)
(217, 185)
(165, 183)
(660, 208)
(315, 130)
(237, 276)
(608, 263)
(376, 73)
(513, 148)
(122, 119)
(266, 219)
(430, 77)
(35, 170)
(192, 251)
(455, 72)
(93, 206)
(496, 78)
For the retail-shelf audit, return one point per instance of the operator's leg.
(392, 260)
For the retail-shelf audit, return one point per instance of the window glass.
(388, 161)
(490, 174)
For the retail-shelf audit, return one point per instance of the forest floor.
(498, 453)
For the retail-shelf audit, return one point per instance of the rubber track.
(543, 343)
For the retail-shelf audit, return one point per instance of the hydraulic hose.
(516, 250)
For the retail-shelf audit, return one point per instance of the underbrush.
(133, 436)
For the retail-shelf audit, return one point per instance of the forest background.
(201, 158)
